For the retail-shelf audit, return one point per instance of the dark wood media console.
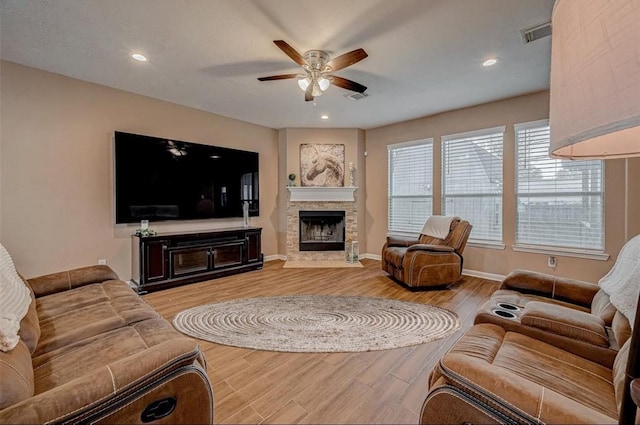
(172, 259)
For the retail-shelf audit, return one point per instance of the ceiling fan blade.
(277, 77)
(347, 84)
(347, 59)
(290, 51)
(308, 96)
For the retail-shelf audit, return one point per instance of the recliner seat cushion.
(394, 255)
(80, 313)
(532, 376)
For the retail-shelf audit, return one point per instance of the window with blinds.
(410, 185)
(472, 181)
(560, 203)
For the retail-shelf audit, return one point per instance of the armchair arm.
(430, 247)
(575, 291)
(635, 391)
(567, 322)
(400, 241)
(63, 281)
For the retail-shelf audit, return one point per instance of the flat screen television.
(160, 179)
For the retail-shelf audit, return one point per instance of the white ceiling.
(425, 56)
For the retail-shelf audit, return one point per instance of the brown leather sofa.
(561, 358)
(574, 315)
(91, 350)
(427, 261)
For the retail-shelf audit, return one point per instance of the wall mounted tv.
(159, 179)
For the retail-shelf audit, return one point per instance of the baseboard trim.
(378, 257)
(284, 257)
(483, 275)
(372, 256)
(275, 257)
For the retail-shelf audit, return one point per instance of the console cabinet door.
(254, 250)
(186, 261)
(154, 261)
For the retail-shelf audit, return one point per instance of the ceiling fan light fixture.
(303, 83)
(317, 66)
(324, 83)
(316, 90)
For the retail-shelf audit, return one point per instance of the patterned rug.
(317, 323)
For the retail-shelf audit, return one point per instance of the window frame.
(497, 243)
(530, 247)
(430, 145)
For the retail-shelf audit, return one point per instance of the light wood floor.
(252, 386)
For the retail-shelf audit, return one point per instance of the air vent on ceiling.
(356, 96)
(537, 32)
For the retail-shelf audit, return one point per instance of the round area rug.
(317, 323)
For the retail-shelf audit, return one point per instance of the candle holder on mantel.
(351, 174)
(292, 180)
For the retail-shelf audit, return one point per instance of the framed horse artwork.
(322, 165)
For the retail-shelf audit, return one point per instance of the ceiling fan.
(317, 66)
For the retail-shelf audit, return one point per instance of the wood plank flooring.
(386, 387)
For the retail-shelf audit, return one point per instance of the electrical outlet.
(552, 262)
(102, 262)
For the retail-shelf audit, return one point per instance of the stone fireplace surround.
(320, 198)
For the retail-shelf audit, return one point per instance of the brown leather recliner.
(574, 315)
(427, 261)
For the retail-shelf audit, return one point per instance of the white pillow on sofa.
(14, 301)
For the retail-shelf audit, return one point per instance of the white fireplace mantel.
(316, 193)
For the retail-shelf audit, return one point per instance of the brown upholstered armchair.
(427, 261)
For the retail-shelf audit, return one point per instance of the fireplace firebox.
(321, 230)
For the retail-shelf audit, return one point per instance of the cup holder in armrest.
(504, 313)
(507, 306)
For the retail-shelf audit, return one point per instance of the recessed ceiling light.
(139, 57)
(324, 117)
(490, 62)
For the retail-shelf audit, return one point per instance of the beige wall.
(56, 168)
(507, 112)
(56, 208)
(290, 140)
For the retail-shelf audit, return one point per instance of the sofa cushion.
(17, 381)
(538, 378)
(67, 363)
(571, 323)
(80, 313)
(63, 281)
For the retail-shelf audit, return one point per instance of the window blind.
(472, 181)
(560, 202)
(410, 185)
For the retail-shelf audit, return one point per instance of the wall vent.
(537, 32)
(356, 96)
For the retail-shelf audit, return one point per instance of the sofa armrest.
(126, 382)
(574, 291)
(567, 322)
(400, 241)
(63, 281)
(635, 391)
(431, 248)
